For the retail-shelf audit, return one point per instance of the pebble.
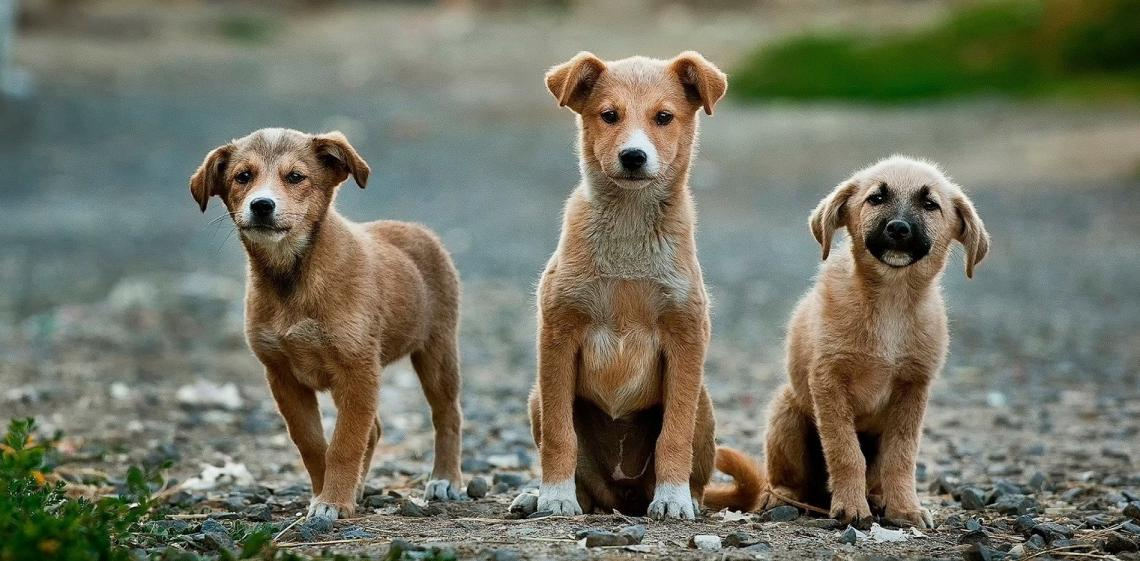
(508, 480)
(601, 538)
(973, 525)
(1025, 523)
(705, 542)
(540, 514)
(1132, 510)
(979, 552)
(1072, 494)
(1036, 542)
(849, 536)
(410, 508)
(822, 523)
(1039, 482)
(1015, 504)
(759, 550)
(1098, 521)
(259, 513)
(314, 527)
(355, 533)
(211, 525)
(633, 533)
(740, 539)
(378, 501)
(974, 537)
(477, 488)
(1131, 528)
(475, 465)
(1052, 531)
(783, 513)
(1116, 543)
(973, 499)
(217, 541)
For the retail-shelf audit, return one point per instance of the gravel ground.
(122, 304)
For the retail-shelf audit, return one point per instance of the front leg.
(298, 406)
(558, 442)
(685, 341)
(898, 453)
(846, 466)
(354, 393)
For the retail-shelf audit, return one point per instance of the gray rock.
(849, 536)
(979, 552)
(1098, 521)
(973, 499)
(509, 480)
(822, 523)
(705, 542)
(314, 527)
(1015, 504)
(973, 525)
(1036, 542)
(1025, 523)
(477, 488)
(783, 513)
(378, 501)
(1052, 531)
(355, 533)
(1116, 543)
(974, 537)
(525, 504)
(217, 541)
(1132, 510)
(740, 539)
(410, 508)
(1039, 482)
(759, 550)
(633, 533)
(1072, 494)
(1131, 528)
(259, 513)
(540, 514)
(212, 525)
(602, 538)
(475, 465)
(372, 490)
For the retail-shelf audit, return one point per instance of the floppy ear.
(828, 215)
(570, 82)
(209, 179)
(972, 234)
(333, 150)
(704, 83)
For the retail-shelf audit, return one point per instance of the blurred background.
(120, 312)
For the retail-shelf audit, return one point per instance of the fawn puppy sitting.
(329, 302)
(863, 347)
(619, 411)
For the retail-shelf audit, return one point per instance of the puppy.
(619, 412)
(330, 302)
(864, 346)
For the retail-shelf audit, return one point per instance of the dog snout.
(633, 159)
(899, 230)
(262, 207)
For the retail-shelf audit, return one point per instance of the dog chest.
(307, 347)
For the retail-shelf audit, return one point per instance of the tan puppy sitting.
(330, 302)
(619, 412)
(864, 346)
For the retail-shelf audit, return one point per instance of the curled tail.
(744, 493)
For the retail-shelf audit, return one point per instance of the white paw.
(441, 490)
(672, 501)
(561, 499)
(323, 511)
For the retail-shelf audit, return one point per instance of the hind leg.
(786, 452)
(438, 368)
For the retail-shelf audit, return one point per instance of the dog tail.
(745, 491)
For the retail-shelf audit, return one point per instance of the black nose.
(262, 207)
(632, 159)
(899, 230)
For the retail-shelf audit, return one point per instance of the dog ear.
(704, 83)
(570, 82)
(209, 180)
(333, 150)
(972, 235)
(828, 215)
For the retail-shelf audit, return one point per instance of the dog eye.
(294, 177)
(875, 199)
(610, 116)
(243, 177)
(664, 118)
(929, 204)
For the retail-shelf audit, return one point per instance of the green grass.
(1067, 48)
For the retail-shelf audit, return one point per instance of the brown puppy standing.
(330, 302)
(619, 412)
(864, 346)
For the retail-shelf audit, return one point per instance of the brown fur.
(330, 302)
(863, 348)
(623, 315)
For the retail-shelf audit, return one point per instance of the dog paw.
(322, 515)
(918, 517)
(854, 509)
(560, 499)
(672, 501)
(774, 497)
(441, 490)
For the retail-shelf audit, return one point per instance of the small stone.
(979, 552)
(740, 539)
(1039, 482)
(1015, 504)
(1025, 523)
(525, 504)
(505, 555)
(1018, 551)
(705, 542)
(540, 514)
(849, 536)
(211, 525)
(1003, 487)
(973, 525)
(399, 547)
(601, 538)
(235, 502)
(633, 533)
(1098, 521)
(973, 499)
(759, 550)
(1131, 528)
(259, 513)
(974, 537)
(475, 465)
(410, 508)
(1072, 494)
(1116, 543)
(1052, 531)
(477, 488)
(508, 480)
(355, 533)
(372, 490)
(314, 527)
(378, 501)
(218, 541)
(783, 513)
(1132, 510)
(1036, 542)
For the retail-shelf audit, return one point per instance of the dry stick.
(798, 504)
(287, 528)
